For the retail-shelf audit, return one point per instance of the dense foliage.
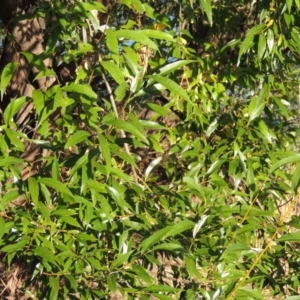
(162, 161)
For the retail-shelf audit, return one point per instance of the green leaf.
(255, 108)
(121, 91)
(82, 89)
(71, 221)
(285, 161)
(206, 6)
(12, 108)
(244, 292)
(164, 233)
(112, 282)
(296, 179)
(270, 40)
(174, 66)
(169, 247)
(162, 111)
(212, 127)
(266, 132)
(114, 71)
(45, 254)
(262, 45)
(104, 147)
(120, 260)
(38, 100)
(191, 266)
(6, 76)
(152, 166)
(45, 73)
(112, 41)
(2, 228)
(138, 36)
(35, 60)
(151, 125)
(19, 246)
(82, 48)
(76, 138)
(34, 190)
(172, 86)
(54, 285)
(120, 124)
(7, 161)
(86, 6)
(56, 185)
(156, 34)
(160, 288)
(290, 237)
(248, 41)
(79, 163)
(15, 139)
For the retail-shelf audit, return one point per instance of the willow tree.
(149, 149)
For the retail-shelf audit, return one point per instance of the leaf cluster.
(167, 165)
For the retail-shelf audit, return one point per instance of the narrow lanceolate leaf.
(255, 108)
(7, 161)
(270, 40)
(112, 41)
(113, 70)
(82, 89)
(120, 260)
(248, 41)
(33, 187)
(38, 100)
(104, 146)
(156, 34)
(6, 76)
(212, 127)
(152, 166)
(160, 288)
(296, 179)
(79, 163)
(15, 247)
(77, 138)
(2, 228)
(206, 6)
(12, 108)
(167, 69)
(56, 185)
(285, 161)
(262, 45)
(46, 254)
(172, 86)
(120, 124)
(290, 237)
(138, 36)
(257, 104)
(164, 233)
(86, 6)
(70, 220)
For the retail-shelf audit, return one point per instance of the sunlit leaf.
(77, 138)
(56, 185)
(6, 76)
(34, 190)
(164, 233)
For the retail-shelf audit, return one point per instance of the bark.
(22, 35)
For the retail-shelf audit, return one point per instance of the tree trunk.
(22, 35)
